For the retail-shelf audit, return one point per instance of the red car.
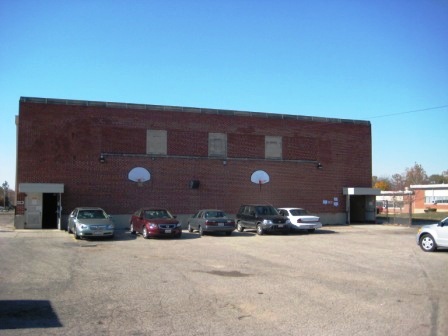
(155, 222)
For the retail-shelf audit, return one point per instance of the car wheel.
(75, 233)
(190, 229)
(131, 228)
(228, 233)
(145, 233)
(239, 227)
(427, 243)
(260, 230)
(68, 230)
(201, 231)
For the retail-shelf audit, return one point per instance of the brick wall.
(61, 143)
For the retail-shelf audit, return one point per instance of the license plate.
(280, 225)
(220, 224)
(98, 233)
(167, 231)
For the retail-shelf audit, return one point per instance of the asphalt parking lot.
(341, 280)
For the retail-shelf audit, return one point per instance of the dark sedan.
(211, 220)
(155, 222)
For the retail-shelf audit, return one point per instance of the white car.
(430, 237)
(301, 219)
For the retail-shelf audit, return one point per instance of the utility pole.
(410, 194)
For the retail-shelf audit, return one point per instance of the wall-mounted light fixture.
(102, 158)
(194, 184)
(319, 165)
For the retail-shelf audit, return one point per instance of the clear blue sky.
(367, 60)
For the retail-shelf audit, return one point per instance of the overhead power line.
(413, 111)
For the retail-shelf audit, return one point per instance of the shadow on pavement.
(20, 314)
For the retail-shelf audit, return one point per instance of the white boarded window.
(156, 142)
(273, 147)
(217, 144)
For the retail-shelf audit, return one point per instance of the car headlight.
(288, 221)
(153, 226)
(110, 227)
(83, 226)
(179, 225)
(267, 221)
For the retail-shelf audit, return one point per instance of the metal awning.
(361, 191)
(57, 188)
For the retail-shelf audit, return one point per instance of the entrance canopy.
(57, 188)
(361, 191)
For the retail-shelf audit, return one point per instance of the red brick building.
(79, 153)
(430, 197)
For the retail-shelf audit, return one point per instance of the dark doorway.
(49, 211)
(357, 209)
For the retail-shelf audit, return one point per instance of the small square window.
(217, 144)
(273, 147)
(156, 142)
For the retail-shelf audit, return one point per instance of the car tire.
(239, 227)
(201, 231)
(260, 230)
(76, 234)
(131, 228)
(68, 230)
(145, 233)
(427, 243)
(228, 233)
(190, 229)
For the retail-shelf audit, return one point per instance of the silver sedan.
(90, 222)
(211, 220)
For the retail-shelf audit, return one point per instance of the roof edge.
(56, 101)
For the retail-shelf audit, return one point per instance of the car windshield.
(152, 214)
(214, 214)
(298, 212)
(91, 214)
(266, 210)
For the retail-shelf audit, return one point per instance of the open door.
(50, 211)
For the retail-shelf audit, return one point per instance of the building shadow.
(21, 314)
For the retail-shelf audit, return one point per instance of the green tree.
(438, 179)
(5, 187)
